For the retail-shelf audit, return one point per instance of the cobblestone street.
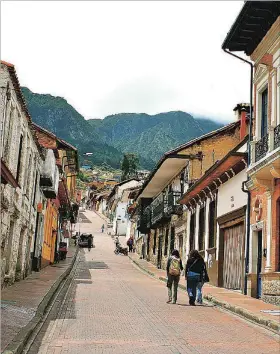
(112, 307)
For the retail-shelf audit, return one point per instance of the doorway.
(233, 257)
(159, 259)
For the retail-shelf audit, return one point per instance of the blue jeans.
(199, 291)
(192, 281)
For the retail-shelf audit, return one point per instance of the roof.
(232, 159)
(21, 99)
(251, 25)
(15, 80)
(173, 154)
(61, 144)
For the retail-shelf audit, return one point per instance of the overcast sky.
(111, 57)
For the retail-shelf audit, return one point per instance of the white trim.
(197, 226)
(260, 88)
(268, 233)
(206, 246)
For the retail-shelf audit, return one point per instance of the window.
(212, 223)
(192, 230)
(35, 190)
(19, 157)
(166, 241)
(201, 230)
(172, 239)
(155, 242)
(264, 99)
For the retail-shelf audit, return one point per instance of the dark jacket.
(196, 267)
(169, 262)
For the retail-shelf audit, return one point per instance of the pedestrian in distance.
(130, 244)
(194, 272)
(203, 279)
(174, 268)
(102, 228)
(89, 243)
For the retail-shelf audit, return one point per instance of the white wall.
(121, 219)
(230, 195)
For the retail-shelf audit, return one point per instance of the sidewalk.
(23, 303)
(233, 301)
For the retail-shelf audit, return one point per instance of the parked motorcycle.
(121, 250)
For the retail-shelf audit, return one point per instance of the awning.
(7, 176)
(170, 167)
(251, 25)
(230, 161)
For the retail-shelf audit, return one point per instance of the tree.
(130, 166)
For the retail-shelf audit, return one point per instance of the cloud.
(127, 56)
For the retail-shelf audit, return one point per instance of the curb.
(18, 343)
(269, 324)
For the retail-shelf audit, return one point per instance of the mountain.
(58, 116)
(147, 135)
(151, 135)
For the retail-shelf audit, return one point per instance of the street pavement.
(113, 307)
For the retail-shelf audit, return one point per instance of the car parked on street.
(83, 240)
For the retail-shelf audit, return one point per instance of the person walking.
(102, 228)
(130, 244)
(174, 268)
(204, 279)
(194, 272)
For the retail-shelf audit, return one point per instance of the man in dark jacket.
(194, 271)
(174, 268)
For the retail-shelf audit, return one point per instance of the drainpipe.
(248, 211)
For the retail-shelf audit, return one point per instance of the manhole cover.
(97, 265)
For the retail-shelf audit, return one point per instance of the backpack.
(174, 268)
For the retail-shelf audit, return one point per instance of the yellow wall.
(50, 229)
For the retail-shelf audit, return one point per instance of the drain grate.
(97, 265)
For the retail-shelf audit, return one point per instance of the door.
(233, 257)
(159, 251)
(259, 266)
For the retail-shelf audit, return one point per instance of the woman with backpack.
(194, 273)
(174, 268)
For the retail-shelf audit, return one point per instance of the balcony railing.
(158, 207)
(172, 207)
(261, 148)
(277, 136)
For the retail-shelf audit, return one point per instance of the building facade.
(22, 160)
(160, 217)
(262, 45)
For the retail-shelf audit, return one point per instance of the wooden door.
(233, 257)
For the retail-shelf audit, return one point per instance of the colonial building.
(58, 183)
(21, 164)
(117, 205)
(161, 219)
(256, 33)
(216, 218)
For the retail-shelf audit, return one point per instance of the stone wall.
(18, 206)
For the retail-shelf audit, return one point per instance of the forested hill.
(147, 135)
